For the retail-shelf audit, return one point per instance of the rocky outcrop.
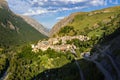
(3, 3)
(11, 25)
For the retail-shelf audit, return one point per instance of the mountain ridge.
(94, 59)
(60, 24)
(14, 30)
(82, 17)
(36, 25)
(3, 3)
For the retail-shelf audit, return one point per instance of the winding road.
(101, 68)
(4, 77)
(76, 62)
(80, 71)
(6, 74)
(93, 58)
(106, 52)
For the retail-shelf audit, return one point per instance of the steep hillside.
(4, 4)
(36, 25)
(102, 64)
(104, 67)
(95, 59)
(86, 23)
(14, 30)
(62, 23)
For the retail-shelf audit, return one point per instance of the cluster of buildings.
(98, 12)
(58, 44)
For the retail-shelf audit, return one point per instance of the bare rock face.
(14, 30)
(12, 27)
(35, 24)
(70, 19)
(30, 21)
(63, 23)
(3, 3)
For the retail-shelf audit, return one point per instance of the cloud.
(37, 7)
(50, 10)
(97, 2)
(37, 12)
(61, 17)
(106, 2)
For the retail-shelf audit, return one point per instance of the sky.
(49, 12)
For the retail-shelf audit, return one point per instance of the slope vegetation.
(13, 29)
(93, 23)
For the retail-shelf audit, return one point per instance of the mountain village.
(58, 44)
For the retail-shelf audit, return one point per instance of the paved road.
(101, 68)
(80, 71)
(4, 76)
(106, 52)
(76, 62)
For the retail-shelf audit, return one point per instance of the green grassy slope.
(52, 65)
(24, 64)
(22, 32)
(27, 64)
(90, 69)
(92, 23)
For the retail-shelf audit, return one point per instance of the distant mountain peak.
(39, 27)
(14, 30)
